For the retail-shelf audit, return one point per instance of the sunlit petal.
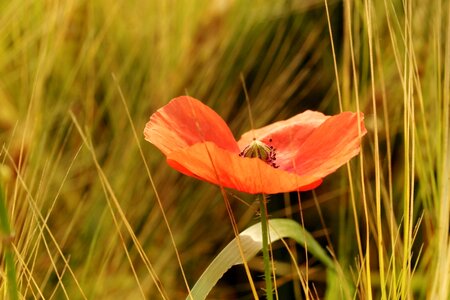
(331, 145)
(286, 136)
(185, 121)
(211, 163)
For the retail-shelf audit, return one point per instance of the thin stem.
(265, 248)
(247, 99)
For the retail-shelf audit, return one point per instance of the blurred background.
(85, 219)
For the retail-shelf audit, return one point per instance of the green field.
(90, 210)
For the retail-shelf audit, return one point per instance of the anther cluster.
(262, 151)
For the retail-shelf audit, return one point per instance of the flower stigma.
(262, 151)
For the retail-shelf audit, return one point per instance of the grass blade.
(6, 237)
(251, 242)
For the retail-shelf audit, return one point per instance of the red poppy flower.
(285, 156)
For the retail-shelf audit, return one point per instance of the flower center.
(262, 151)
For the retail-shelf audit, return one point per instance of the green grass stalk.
(265, 248)
(379, 236)
(6, 238)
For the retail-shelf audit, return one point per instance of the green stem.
(11, 275)
(5, 238)
(265, 248)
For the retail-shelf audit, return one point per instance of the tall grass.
(80, 78)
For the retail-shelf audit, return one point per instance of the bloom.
(303, 149)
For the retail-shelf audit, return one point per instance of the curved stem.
(265, 248)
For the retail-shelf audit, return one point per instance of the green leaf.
(251, 242)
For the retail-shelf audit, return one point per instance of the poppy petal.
(305, 121)
(185, 121)
(251, 175)
(286, 136)
(331, 145)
